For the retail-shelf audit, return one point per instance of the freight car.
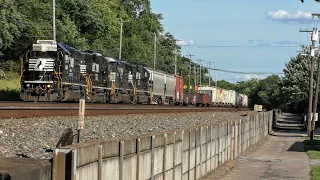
(225, 98)
(54, 71)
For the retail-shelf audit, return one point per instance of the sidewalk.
(281, 156)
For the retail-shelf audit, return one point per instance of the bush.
(10, 66)
(10, 86)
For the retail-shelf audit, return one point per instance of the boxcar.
(179, 90)
(192, 98)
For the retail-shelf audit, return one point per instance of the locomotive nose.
(38, 90)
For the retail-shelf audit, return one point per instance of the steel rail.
(118, 109)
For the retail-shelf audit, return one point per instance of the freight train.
(52, 71)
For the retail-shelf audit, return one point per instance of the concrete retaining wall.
(176, 155)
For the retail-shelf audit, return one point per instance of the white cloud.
(284, 16)
(185, 42)
(244, 77)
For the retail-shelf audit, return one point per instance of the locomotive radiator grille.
(83, 69)
(41, 64)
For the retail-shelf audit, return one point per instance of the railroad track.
(43, 111)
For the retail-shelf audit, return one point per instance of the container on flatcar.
(233, 97)
(179, 89)
(219, 99)
(224, 96)
(244, 100)
(238, 99)
(211, 91)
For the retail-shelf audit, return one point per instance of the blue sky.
(239, 23)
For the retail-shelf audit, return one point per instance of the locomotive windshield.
(40, 54)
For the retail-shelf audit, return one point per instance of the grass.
(315, 172)
(312, 149)
(313, 154)
(9, 87)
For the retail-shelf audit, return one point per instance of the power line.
(240, 46)
(239, 72)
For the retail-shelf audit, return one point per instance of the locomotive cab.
(39, 72)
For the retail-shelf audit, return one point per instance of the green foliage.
(91, 25)
(226, 85)
(315, 172)
(313, 154)
(295, 84)
(10, 66)
(9, 89)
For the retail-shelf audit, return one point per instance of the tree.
(295, 84)
(91, 25)
(226, 85)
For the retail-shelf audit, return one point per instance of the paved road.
(280, 157)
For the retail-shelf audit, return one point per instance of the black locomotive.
(57, 72)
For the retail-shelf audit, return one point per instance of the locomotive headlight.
(48, 85)
(28, 85)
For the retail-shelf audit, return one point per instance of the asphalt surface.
(281, 156)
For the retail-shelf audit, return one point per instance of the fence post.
(138, 158)
(152, 156)
(121, 160)
(164, 155)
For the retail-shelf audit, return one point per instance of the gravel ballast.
(34, 137)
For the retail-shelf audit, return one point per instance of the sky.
(258, 24)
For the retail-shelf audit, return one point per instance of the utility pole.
(315, 101)
(314, 38)
(190, 55)
(121, 27)
(216, 78)
(155, 51)
(195, 76)
(175, 57)
(209, 71)
(54, 19)
(175, 61)
(200, 60)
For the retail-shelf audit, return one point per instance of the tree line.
(94, 25)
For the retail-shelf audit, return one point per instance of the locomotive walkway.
(281, 156)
